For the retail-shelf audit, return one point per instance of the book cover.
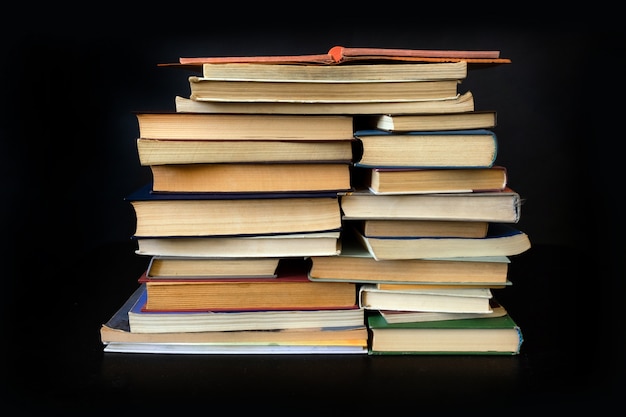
(339, 54)
(365, 72)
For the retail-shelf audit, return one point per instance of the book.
(364, 72)
(195, 267)
(490, 206)
(290, 290)
(453, 300)
(416, 122)
(339, 54)
(162, 151)
(217, 126)
(501, 240)
(488, 336)
(223, 214)
(283, 245)
(432, 228)
(251, 177)
(424, 180)
(131, 323)
(473, 148)
(356, 264)
(463, 102)
(205, 89)
(399, 316)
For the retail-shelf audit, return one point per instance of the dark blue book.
(241, 214)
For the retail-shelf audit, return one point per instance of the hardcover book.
(132, 321)
(488, 206)
(356, 264)
(407, 122)
(290, 290)
(281, 245)
(474, 148)
(447, 300)
(501, 240)
(363, 72)
(461, 103)
(213, 126)
(251, 177)
(161, 151)
(484, 336)
(205, 89)
(416, 180)
(232, 214)
(171, 267)
(397, 316)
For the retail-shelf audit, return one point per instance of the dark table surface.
(571, 358)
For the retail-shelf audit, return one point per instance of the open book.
(342, 54)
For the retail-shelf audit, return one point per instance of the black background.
(71, 81)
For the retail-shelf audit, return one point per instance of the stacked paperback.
(344, 203)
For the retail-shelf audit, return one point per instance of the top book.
(356, 73)
(341, 55)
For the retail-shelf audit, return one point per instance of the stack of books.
(330, 203)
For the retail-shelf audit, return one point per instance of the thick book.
(171, 267)
(490, 206)
(448, 300)
(217, 126)
(443, 180)
(486, 336)
(501, 240)
(472, 148)
(282, 245)
(464, 102)
(205, 89)
(364, 72)
(290, 290)
(229, 214)
(131, 323)
(339, 54)
(410, 122)
(162, 151)
(356, 264)
(399, 316)
(251, 177)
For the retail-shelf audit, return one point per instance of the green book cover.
(417, 332)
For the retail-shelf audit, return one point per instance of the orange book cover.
(341, 54)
